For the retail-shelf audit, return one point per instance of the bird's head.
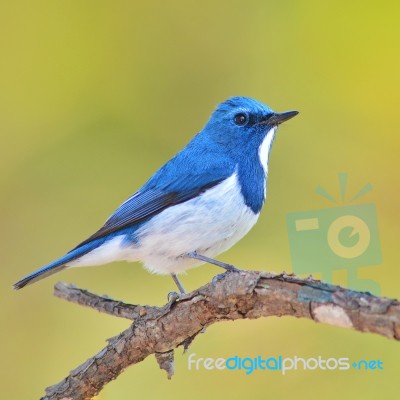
(241, 123)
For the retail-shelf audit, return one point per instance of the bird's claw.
(217, 278)
(173, 296)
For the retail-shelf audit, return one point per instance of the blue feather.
(59, 264)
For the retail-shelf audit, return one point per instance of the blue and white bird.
(196, 206)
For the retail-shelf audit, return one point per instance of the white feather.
(263, 153)
(265, 147)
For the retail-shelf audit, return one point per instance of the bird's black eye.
(240, 119)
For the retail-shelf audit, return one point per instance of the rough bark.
(231, 296)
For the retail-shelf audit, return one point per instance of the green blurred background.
(95, 95)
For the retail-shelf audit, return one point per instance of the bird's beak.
(278, 118)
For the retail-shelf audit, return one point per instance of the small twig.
(104, 304)
(238, 295)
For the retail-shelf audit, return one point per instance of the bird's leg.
(173, 296)
(228, 267)
(178, 283)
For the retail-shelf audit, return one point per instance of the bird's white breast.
(209, 224)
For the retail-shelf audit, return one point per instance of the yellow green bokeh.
(96, 95)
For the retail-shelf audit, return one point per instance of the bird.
(196, 206)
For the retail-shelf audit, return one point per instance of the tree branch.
(231, 296)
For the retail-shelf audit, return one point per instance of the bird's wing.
(143, 205)
(146, 203)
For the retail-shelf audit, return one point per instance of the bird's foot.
(173, 297)
(217, 278)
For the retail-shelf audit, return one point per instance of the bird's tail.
(57, 265)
